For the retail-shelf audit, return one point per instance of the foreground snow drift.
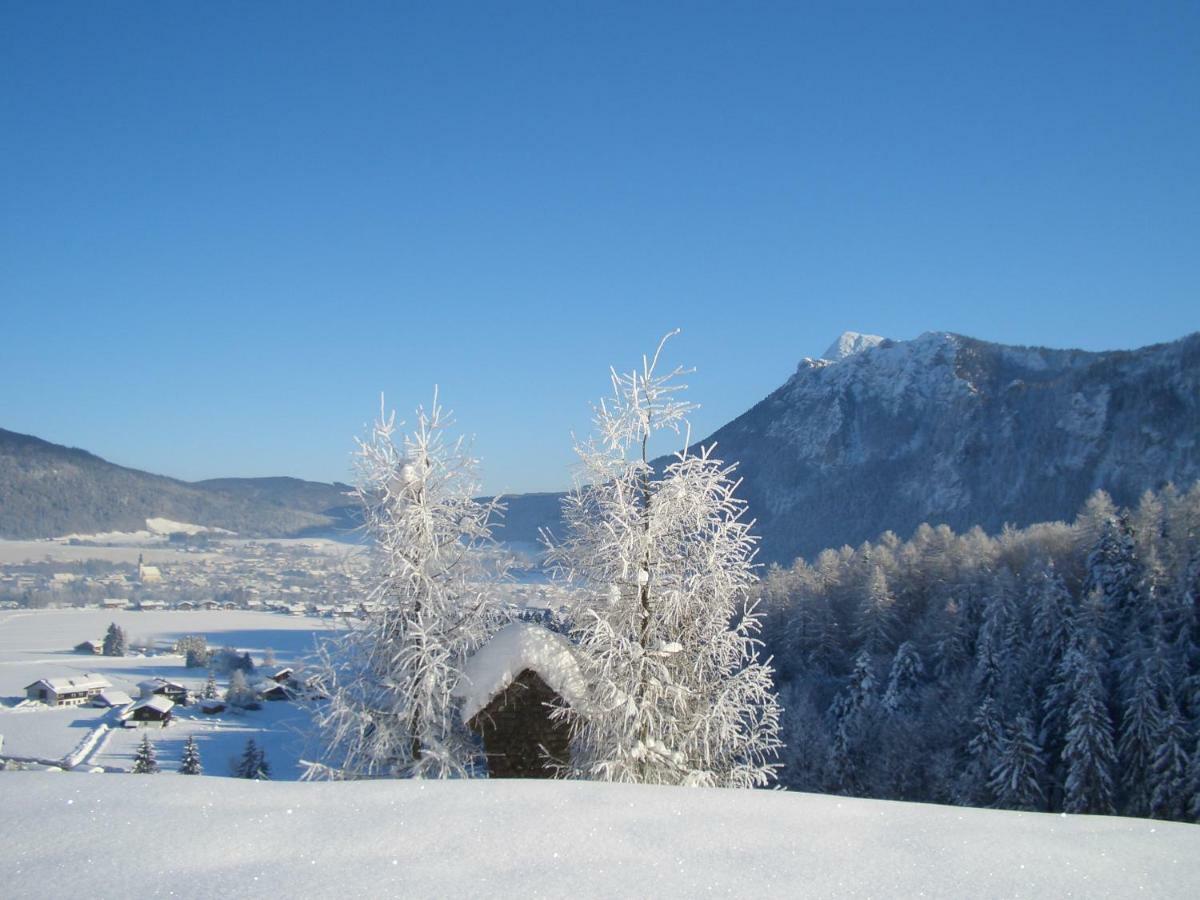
(75, 835)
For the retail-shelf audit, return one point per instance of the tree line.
(1048, 668)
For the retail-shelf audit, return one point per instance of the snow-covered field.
(76, 835)
(37, 643)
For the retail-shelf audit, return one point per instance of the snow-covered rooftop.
(510, 652)
(150, 685)
(115, 698)
(157, 702)
(88, 682)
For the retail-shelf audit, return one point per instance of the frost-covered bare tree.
(665, 558)
(388, 680)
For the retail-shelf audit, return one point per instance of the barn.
(507, 691)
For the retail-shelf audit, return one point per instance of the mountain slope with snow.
(849, 343)
(948, 429)
(74, 835)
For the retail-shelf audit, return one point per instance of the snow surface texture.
(849, 343)
(514, 649)
(558, 839)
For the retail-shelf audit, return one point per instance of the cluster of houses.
(507, 691)
(157, 698)
(287, 608)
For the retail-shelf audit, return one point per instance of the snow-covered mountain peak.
(945, 428)
(849, 343)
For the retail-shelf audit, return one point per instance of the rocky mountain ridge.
(950, 429)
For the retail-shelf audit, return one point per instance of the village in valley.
(177, 637)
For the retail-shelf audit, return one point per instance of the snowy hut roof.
(150, 685)
(158, 702)
(115, 698)
(512, 650)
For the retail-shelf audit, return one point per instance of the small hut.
(155, 708)
(508, 689)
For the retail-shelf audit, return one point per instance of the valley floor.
(83, 835)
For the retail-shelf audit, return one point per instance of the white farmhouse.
(67, 691)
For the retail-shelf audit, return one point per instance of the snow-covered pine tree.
(668, 634)
(853, 712)
(263, 770)
(115, 642)
(1170, 767)
(983, 752)
(1113, 572)
(807, 752)
(878, 620)
(189, 764)
(388, 680)
(996, 647)
(1049, 636)
(1140, 735)
(145, 760)
(1089, 754)
(1017, 774)
(950, 651)
(905, 676)
(1190, 801)
(245, 766)
(210, 687)
(252, 764)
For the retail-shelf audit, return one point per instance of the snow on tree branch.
(389, 679)
(668, 630)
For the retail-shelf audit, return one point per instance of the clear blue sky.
(225, 228)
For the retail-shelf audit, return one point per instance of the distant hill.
(48, 490)
(883, 434)
(334, 501)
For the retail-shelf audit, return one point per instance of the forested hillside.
(1050, 668)
(48, 490)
